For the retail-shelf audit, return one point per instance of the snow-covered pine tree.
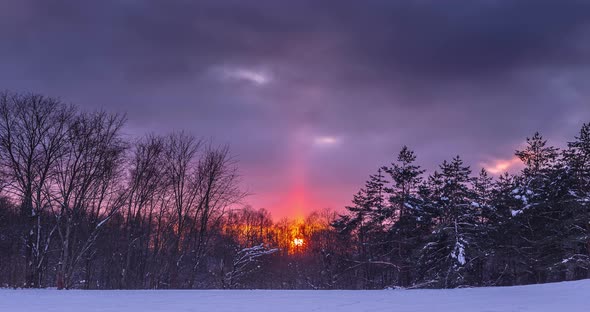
(576, 215)
(507, 258)
(483, 211)
(448, 255)
(404, 213)
(541, 191)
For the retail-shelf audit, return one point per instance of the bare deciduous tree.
(144, 188)
(33, 132)
(245, 262)
(217, 186)
(85, 186)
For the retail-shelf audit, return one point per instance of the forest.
(85, 206)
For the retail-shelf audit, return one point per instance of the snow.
(522, 198)
(459, 253)
(102, 222)
(566, 296)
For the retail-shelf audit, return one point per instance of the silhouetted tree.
(33, 133)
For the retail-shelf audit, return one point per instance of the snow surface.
(566, 297)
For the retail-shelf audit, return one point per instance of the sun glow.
(297, 242)
(502, 165)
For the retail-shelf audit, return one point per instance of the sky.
(313, 96)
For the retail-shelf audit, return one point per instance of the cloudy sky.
(313, 96)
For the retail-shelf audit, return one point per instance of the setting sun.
(298, 242)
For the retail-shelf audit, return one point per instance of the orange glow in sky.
(500, 166)
(296, 204)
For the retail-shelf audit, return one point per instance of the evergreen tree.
(404, 215)
(364, 223)
(541, 191)
(506, 257)
(447, 256)
(483, 211)
(536, 155)
(576, 216)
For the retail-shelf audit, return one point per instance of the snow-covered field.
(559, 297)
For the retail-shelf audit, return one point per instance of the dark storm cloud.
(446, 77)
(428, 39)
(459, 38)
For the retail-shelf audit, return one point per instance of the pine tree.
(368, 206)
(536, 155)
(405, 212)
(506, 257)
(364, 224)
(448, 254)
(541, 190)
(576, 215)
(483, 211)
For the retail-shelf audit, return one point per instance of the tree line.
(84, 206)
(454, 229)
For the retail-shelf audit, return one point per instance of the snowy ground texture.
(559, 297)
